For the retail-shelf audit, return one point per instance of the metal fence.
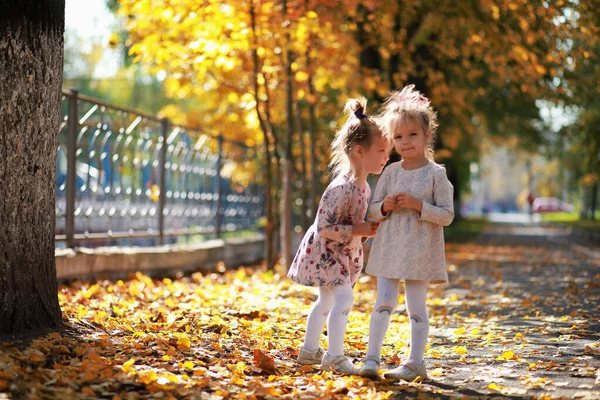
(124, 177)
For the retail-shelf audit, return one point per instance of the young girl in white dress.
(413, 201)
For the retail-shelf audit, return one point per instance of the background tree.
(236, 66)
(578, 89)
(485, 65)
(31, 65)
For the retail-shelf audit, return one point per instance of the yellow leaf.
(460, 331)
(113, 40)
(459, 350)
(493, 386)
(507, 355)
(301, 76)
(147, 376)
(188, 365)
(170, 377)
(127, 367)
(540, 69)
(495, 12)
(183, 341)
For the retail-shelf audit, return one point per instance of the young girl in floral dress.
(330, 255)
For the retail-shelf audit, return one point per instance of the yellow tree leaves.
(206, 54)
(472, 59)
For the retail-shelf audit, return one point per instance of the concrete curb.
(117, 262)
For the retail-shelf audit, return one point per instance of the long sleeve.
(333, 207)
(380, 192)
(441, 212)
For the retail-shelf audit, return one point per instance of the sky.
(92, 21)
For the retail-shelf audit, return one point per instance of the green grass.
(560, 216)
(572, 219)
(465, 229)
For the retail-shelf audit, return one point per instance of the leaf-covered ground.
(520, 319)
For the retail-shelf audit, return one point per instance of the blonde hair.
(359, 129)
(409, 103)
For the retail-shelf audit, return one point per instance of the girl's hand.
(365, 229)
(389, 203)
(405, 200)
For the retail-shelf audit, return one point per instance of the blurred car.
(551, 204)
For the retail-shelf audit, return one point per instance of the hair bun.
(358, 114)
(356, 107)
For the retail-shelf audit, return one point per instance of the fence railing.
(125, 177)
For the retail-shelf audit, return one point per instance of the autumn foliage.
(512, 322)
(487, 67)
(469, 58)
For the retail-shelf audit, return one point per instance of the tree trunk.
(31, 62)
(594, 201)
(303, 170)
(286, 199)
(269, 256)
(594, 161)
(276, 168)
(312, 123)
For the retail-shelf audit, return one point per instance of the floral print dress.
(329, 255)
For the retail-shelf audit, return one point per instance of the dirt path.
(525, 307)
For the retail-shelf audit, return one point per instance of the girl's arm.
(441, 212)
(334, 203)
(381, 191)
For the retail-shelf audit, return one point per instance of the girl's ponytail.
(358, 129)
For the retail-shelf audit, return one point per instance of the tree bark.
(593, 201)
(31, 62)
(312, 126)
(286, 199)
(303, 170)
(275, 167)
(269, 256)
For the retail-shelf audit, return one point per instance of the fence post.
(219, 214)
(162, 198)
(73, 126)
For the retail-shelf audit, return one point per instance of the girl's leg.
(317, 318)
(343, 299)
(387, 299)
(415, 294)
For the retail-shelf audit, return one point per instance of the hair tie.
(360, 115)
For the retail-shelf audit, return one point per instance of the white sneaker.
(339, 364)
(370, 368)
(407, 371)
(306, 357)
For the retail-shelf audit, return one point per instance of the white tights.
(333, 306)
(387, 299)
